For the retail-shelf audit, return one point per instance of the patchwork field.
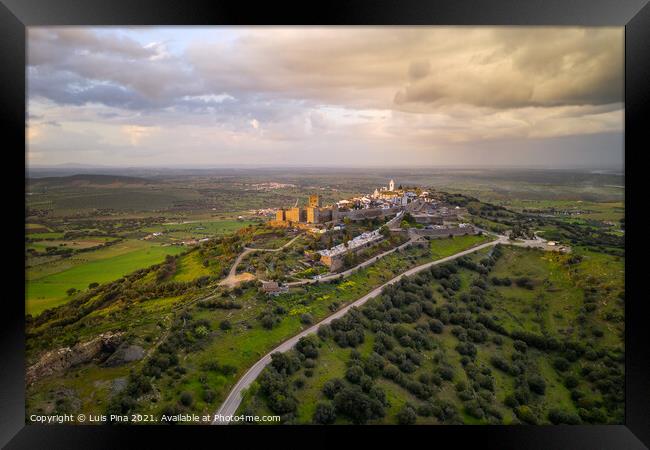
(48, 283)
(519, 337)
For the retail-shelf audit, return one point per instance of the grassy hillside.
(47, 283)
(509, 338)
(202, 346)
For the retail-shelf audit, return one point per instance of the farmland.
(144, 257)
(47, 283)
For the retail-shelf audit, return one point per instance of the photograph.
(325, 225)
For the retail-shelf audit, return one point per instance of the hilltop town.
(419, 210)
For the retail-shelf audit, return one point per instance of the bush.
(285, 363)
(225, 325)
(473, 408)
(324, 414)
(268, 320)
(308, 346)
(525, 414)
(436, 326)
(332, 387)
(571, 381)
(406, 416)
(446, 373)
(209, 396)
(520, 346)
(357, 406)
(557, 417)
(201, 331)
(537, 384)
(354, 374)
(561, 364)
(187, 399)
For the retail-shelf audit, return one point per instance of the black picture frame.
(634, 15)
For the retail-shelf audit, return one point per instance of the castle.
(316, 213)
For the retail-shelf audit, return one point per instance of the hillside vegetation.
(516, 336)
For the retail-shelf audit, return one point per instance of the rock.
(125, 354)
(119, 384)
(57, 361)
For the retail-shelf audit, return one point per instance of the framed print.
(354, 219)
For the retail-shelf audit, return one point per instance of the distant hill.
(89, 180)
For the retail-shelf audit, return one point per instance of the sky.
(325, 96)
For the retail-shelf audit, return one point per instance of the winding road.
(232, 402)
(247, 250)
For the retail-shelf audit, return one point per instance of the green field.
(198, 229)
(441, 248)
(200, 336)
(47, 284)
(603, 211)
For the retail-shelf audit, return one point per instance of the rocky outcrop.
(57, 361)
(125, 354)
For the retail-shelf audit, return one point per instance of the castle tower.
(391, 185)
(314, 201)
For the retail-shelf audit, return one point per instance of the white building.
(391, 185)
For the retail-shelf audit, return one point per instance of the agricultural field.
(95, 269)
(42, 246)
(198, 229)
(47, 284)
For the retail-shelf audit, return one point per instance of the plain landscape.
(405, 225)
(162, 288)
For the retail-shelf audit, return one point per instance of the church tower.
(391, 185)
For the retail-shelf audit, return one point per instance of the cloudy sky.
(330, 96)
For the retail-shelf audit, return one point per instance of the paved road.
(232, 402)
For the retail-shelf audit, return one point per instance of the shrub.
(520, 346)
(557, 417)
(537, 384)
(473, 408)
(209, 396)
(324, 414)
(561, 364)
(187, 399)
(436, 326)
(332, 387)
(406, 416)
(525, 414)
(354, 374)
(357, 406)
(571, 381)
(201, 331)
(285, 363)
(500, 363)
(446, 373)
